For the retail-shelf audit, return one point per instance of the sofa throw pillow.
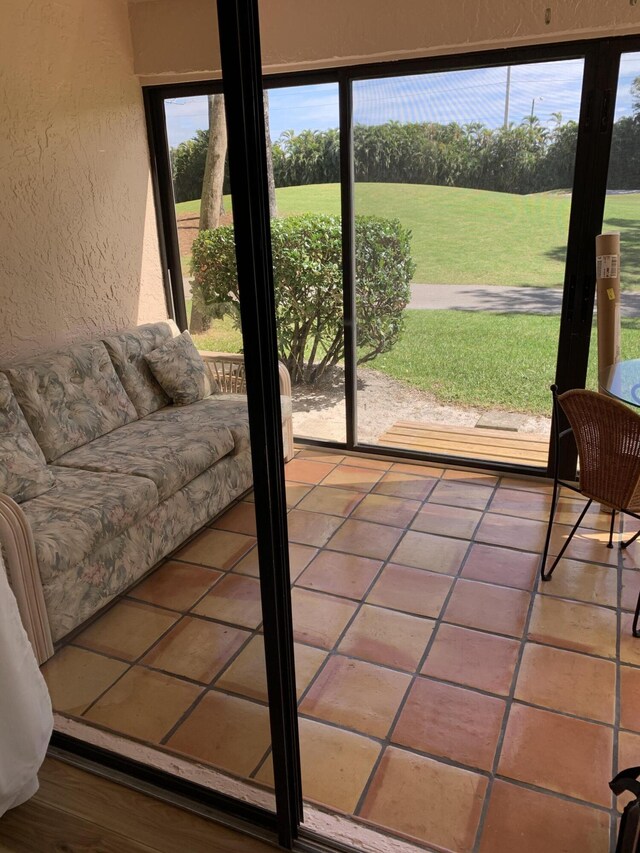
(180, 369)
(23, 470)
(127, 351)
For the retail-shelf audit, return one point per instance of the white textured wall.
(177, 39)
(78, 240)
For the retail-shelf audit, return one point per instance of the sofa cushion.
(74, 594)
(127, 351)
(181, 370)
(70, 397)
(23, 469)
(82, 511)
(166, 451)
(229, 410)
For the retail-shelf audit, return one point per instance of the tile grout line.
(523, 642)
(360, 604)
(206, 689)
(509, 699)
(428, 500)
(131, 664)
(618, 692)
(183, 615)
(437, 622)
(319, 550)
(440, 620)
(211, 685)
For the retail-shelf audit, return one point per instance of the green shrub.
(307, 265)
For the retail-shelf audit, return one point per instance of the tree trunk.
(212, 184)
(273, 208)
(211, 199)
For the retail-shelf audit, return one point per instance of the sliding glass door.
(463, 189)
(432, 234)
(171, 615)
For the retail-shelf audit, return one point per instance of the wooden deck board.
(76, 811)
(471, 443)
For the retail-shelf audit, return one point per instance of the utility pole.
(533, 106)
(507, 96)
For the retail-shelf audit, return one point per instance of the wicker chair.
(607, 435)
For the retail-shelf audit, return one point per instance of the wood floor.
(77, 812)
(472, 443)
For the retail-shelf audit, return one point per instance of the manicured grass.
(221, 337)
(622, 213)
(467, 358)
(502, 361)
(190, 206)
(463, 236)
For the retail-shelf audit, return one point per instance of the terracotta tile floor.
(444, 695)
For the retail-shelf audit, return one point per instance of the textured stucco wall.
(78, 240)
(177, 39)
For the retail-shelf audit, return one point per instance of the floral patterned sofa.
(101, 476)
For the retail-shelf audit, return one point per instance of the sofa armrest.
(287, 426)
(228, 369)
(16, 541)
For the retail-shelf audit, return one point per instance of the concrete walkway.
(507, 300)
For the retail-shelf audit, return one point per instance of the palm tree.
(530, 121)
(473, 129)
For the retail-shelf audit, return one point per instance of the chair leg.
(636, 633)
(613, 521)
(547, 576)
(630, 541)
(552, 512)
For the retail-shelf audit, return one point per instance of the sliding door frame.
(239, 31)
(601, 63)
(240, 51)
(595, 125)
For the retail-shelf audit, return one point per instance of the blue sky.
(462, 96)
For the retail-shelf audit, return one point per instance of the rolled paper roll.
(608, 290)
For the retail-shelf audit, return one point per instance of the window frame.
(601, 65)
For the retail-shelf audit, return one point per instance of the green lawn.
(499, 361)
(191, 206)
(473, 237)
(465, 236)
(470, 358)
(221, 337)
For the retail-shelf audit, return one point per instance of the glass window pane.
(462, 200)
(302, 123)
(622, 209)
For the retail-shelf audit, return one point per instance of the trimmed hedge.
(307, 265)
